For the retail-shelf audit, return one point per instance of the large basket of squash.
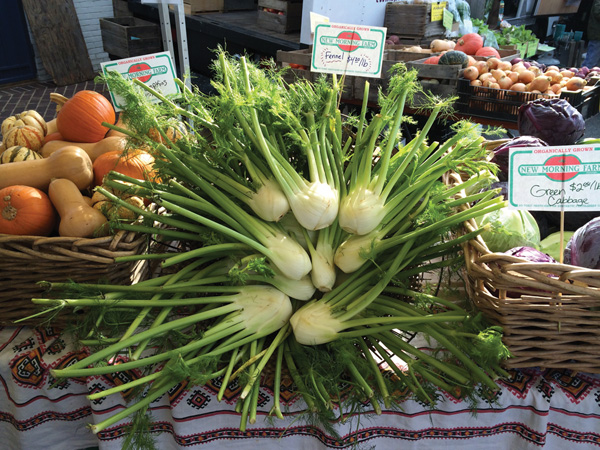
(549, 311)
(53, 226)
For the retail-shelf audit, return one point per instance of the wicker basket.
(25, 260)
(550, 312)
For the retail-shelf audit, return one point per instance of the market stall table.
(554, 409)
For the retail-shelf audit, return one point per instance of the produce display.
(44, 173)
(522, 76)
(302, 234)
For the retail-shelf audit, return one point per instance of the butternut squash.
(68, 162)
(77, 218)
(93, 149)
(51, 126)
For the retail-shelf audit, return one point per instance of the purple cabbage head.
(501, 152)
(553, 120)
(530, 254)
(583, 249)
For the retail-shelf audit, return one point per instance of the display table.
(551, 408)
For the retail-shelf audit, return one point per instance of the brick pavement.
(35, 95)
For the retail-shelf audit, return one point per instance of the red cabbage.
(501, 152)
(583, 249)
(553, 120)
(530, 254)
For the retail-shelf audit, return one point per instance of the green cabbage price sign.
(555, 178)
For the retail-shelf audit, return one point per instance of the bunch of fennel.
(304, 229)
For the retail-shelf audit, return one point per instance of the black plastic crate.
(501, 104)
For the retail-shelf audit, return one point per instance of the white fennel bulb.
(313, 324)
(263, 309)
(288, 256)
(349, 256)
(323, 268)
(290, 224)
(316, 206)
(302, 289)
(361, 211)
(269, 202)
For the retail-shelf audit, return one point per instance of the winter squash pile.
(48, 170)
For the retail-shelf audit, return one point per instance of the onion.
(516, 60)
(575, 83)
(526, 76)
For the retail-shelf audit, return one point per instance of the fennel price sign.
(555, 178)
(348, 49)
(155, 70)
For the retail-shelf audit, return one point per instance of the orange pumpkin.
(136, 164)
(80, 118)
(56, 136)
(26, 210)
(487, 51)
(432, 60)
(469, 43)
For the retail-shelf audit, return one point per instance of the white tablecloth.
(553, 409)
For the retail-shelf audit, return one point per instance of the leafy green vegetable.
(509, 228)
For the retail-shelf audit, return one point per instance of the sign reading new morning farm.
(555, 178)
(155, 70)
(348, 49)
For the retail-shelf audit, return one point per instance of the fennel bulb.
(353, 252)
(316, 205)
(313, 324)
(263, 309)
(302, 289)
(290, 224)
(288, 256)
(269, 202)
(361, 211)
(323, 268)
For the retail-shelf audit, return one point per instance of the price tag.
(437, 11)
(448, 20)
(532, 47)
(348, 49)
(522, 49)
(156, 70)
(555, 178)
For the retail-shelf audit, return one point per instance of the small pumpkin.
(25, 210)
(30, 116)
(80, 118)
(135, 163)
(487, 51)
(469, 43)
(454, 57)
(25, 136)
(113, 211)
(173, 133)
(18, 153)
(432, 60)
(10, 122)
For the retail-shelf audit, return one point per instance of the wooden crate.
(396, 53)
(446, 76)
(129, 36)
(375, 83)
(299, 60)
(279, 15)
(199, 6)
(298, 63)
(411, 21)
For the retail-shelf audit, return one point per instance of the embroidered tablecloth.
(553, 409)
